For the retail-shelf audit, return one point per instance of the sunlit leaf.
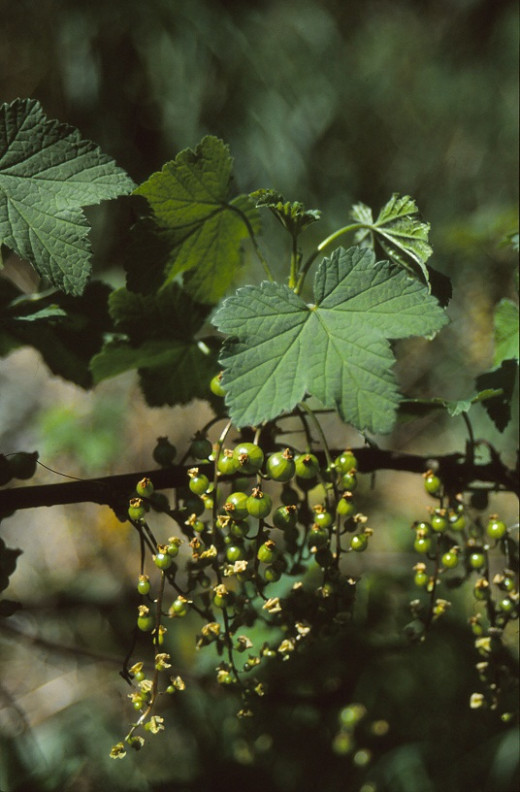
(48, 172)
(337, 349)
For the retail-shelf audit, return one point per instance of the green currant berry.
(280, 465)
(216, 385)
(422, 544)
(450, 559)
(238, 528)
(345, 462)
(201, 447)
(198, 483)
(349, 480)
(259, 504)
(164, 452)
(266, 552)
(456, 521)
(222, 597)
(420, 579)
(285, 517)
(307, 466)
(477, 560)
(506, 605)
(159, 502)
(163, 560)
(322, 517)
(422, 527)
(145, 621)
(481, 589)
(289, 496)
(234, 553)
(144, 488)
(194, 505)
(438, 521)
(271, 574)
(23, 464)
(318, 536)
(136, 509)
(197, 525)
(323, 557)
(350, 715)
(508, 584)
(227, 464)
(179, 607)
(359, 542)
(249, 456)
(345, 506)
(236, 505)
(172, 548)
(496, 529)
(432, 483)
(143, 584)
(208, 500)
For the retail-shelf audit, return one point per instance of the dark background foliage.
(329, 102)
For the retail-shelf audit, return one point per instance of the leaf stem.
(254, 240)
(331, 238)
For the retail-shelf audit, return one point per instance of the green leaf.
(66, 330)
(503, 379)
(337, 349)
(173, 366)
(399, 231)
(292, 216)
(506, 331)
(419, 407)
(204, 229)
(47, 173)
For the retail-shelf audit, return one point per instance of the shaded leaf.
(502, 378)
(159, 342)
(506, 331)
(419, 407)
(337, 349)
(48, 172)
(66, 330)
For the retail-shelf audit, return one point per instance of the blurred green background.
(329, 102)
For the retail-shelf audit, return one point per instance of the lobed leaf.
(399, 231)
(159, 342)
(281, 349)
(199, 230)
(48, 172)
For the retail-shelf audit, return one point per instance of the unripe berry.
(164, 452)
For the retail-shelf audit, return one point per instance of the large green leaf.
(202, 227)
(399, 231)
(506, 331)
(159, 342)
(337, 349)
(47, 173)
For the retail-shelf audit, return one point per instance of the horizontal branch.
(457, 474)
